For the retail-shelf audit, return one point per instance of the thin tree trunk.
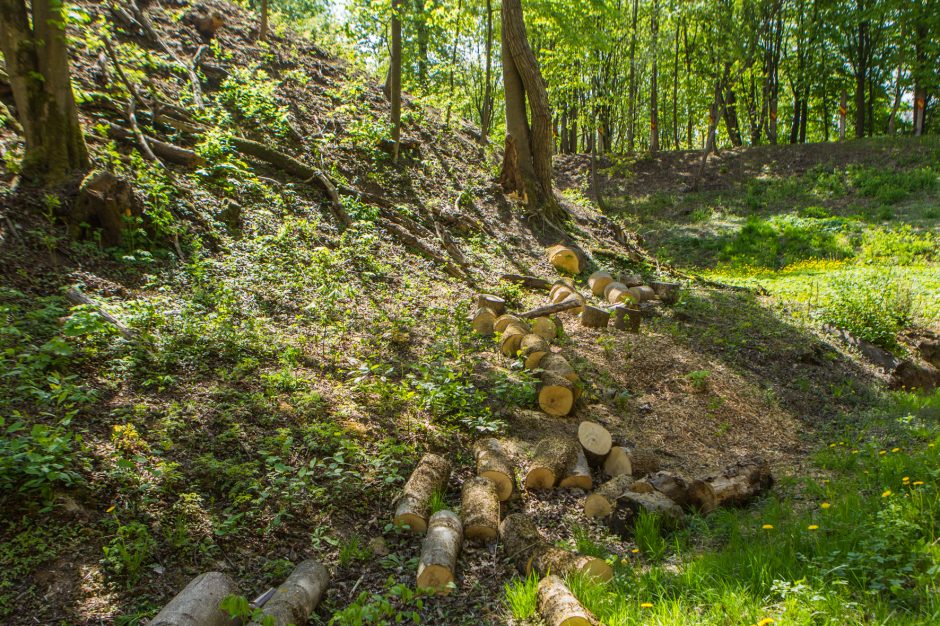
(861, 73)
(453, 63)
(920, 86)
(263, 29)
(654, 78)
(632, 91)
(675, 94)
(843, 112)
(395, 73)
(892, 117)
(486, 117)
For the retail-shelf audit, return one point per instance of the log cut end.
(618, 462)
(564, 259)
(598, 281)
(556, 394)
(439, 552)
(544, 327)
(539, 478)
(559, 607)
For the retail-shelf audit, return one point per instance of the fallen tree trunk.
(550, 309)
(558, 605)
(740, 483)
(531, 282)
(596, 441)
(198, 603)
(493, 464)
(618, 462)
(166, 151)
(578, 475)
(439, 552)
(428, 478)
(550, 462)
(297, 597)
(533, 348)
(529, 551)
(598, 281)
(479, 509)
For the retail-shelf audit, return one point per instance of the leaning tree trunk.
(527, 162)
(395, 79)
(263, 28)
(42, 89)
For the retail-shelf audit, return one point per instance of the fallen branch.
(413, 241)
(551, 309)
(77, 298)
(532, 282)
(166, 151)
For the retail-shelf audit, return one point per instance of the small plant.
(129, 551)
(522, 597)
(648, 535)
(872, 307)
(699, 380)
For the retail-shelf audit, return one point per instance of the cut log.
(550, 462)
(593, 317)
(559, 607)
(494, 303)
(558, 365)
(551, 308)
(598, 281)
(596, 441)
(667, 292)
(578, 475)
(503, 321)
(198, 603)
(493, 463)
(642, 293)
(627, 318)
(561, 283)
(632, 503)
(617, 462)
(617, 293)
(428, 478)
(630, 280)
(559, 294)
(479, 509)
(483, 321)
(740, 483)
(439, 552)
(529, 550)
(545, 328)
(689, 494)
(603, 500)
(532, 349)
(556, 394)
(644, 462)
(564, 259)
(511, 339)
(532, 282)
(297, 597)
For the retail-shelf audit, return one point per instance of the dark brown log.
(551, 309)
(439, 552)
(78, 298)
(428, 478)
(494, 464)
(297, 597)
(198, 603)
(558, 605)
(644, 462)
(689, 494)
(627, 318)
(667, 292)
(630, 280)
(479, 509)
(632, 503)
(593, 317)
(531, 282)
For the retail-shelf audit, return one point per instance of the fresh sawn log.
(596, 441)
(297, 597)
(479, 509)
(483, 320)
(545, 328)
(564, 259)
(598, 281)
(556, 393)
(604, 499)
(618, 462)
(550, 462)
(198, 603)
(493, 464)
(532, 349)
(428, 478)
(578, 475)
(559, 607)
(530, 551)
(439, 552)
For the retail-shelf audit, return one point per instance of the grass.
(856, 543)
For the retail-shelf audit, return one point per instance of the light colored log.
(198, 603)
(596, 441)
(556, 394)
(578, 475)
(545, 328)
(429, 477)
(479, 509)
(439, 552)
(483, 321)
(555, 560)
(561, 283)
(550, 462)
(564, 259)
(616, 293)
(644, 462)
(598, 281)
(494, 303)
(603, 500)
(739, 483)
(558, 365)
(297, 597)
(617, 462)
(511, 339)
(503, 321)
(642, 293)
(532, 349)
(530, 551)
(559, 607)
(494, 464)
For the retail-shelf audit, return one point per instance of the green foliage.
(131, 548)
(251, 96)
(238, 607)
(891, 187)
(397, 605)
(38, 460)
(780, 241)
(873, 308)
(521, 597)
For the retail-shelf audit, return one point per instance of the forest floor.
(285, 373)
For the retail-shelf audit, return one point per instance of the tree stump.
(428, 478)
(627, 318)
(104, 202)
(667, 292)
(594, 317)
(439, 552)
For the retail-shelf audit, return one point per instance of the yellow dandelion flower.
(886, 493)
(767, 527)
(895, 449)
(854, 451)
(832, 445)
(917, 483)
(825, 481)
(883, 452)
(111, 508)
(766, 621)
(635, 550)
(812, 527)
(906, 479)
(825, 505)
(646, 605)
(929, 445)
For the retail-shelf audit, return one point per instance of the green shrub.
(37, 459)
(129, 551)
(782, 240)
(873, 308)
(901, 247)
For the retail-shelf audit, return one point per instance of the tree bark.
(654, 80)
(843, 112)
(631, 113)
(527, 163)
(42, 89)
(486, 115)
(395, 76)
(263, 28)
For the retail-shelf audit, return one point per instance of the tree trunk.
(631, 114)
(892, 117)
(654, 79)
(263, 28)
(861, 76)
(675, 94)
(486, 117)
(42, 89)
(395, 75)
(843, 112)
(920, 85)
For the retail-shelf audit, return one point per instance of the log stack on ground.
(741, 482)
(545, 328)
(198, 603)
(643, 462)
(618, 462)
(551, 460)
(594, 317)
(414, 505)
(578, 475)
(689, 494)
(494, 303)
(598, 281)
(642, 293)
(479, 509)
(556, 393)
(631, 504)
(439, 552)
(493, 463)
(630, 280)
(559, 607)
(569, 294)
(483, 321)
(511, 339)
(530, 551)
(532, 349)
(564, 259)
(596, 442)
(503, 321)
(297, 597)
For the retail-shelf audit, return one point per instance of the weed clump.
(874, 308)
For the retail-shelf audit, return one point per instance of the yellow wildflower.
(812, 527)
(635, 550)
(646, 605)
(906, 479)
(883, 452)
(766, 621)
(111, 508)
(918, 483)
(886, 493)
(832, 445)
(854, 451)
(768, 527)
(895, 449)
(825, 505)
